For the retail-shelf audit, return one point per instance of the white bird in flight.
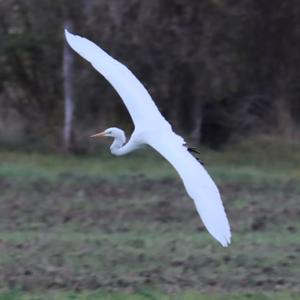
(152, 128)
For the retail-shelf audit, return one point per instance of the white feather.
(198, 184)
(152, 128)
(139, 103)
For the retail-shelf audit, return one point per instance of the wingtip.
(224, 238)
(67, 33)
(226, 241)
(69, 36)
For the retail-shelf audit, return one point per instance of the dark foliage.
(217, 69)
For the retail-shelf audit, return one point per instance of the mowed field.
(102, 227)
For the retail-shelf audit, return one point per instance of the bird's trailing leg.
(195, 152)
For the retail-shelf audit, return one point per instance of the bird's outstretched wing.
(139, 103)
(198, 184)
(157, 133)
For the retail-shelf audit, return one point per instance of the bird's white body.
(151, 128)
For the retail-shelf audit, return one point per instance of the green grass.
(101, 227)
(261, 161)
(34, 166)
(142, 295)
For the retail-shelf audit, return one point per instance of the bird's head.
(110, 132)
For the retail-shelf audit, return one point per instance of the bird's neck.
(118, 147)
(117, 144)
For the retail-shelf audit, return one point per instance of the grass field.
(101, 227)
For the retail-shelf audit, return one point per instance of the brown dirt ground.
(139, 233)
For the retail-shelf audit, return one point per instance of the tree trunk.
(68, 82)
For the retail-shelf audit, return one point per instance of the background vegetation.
(218, 70)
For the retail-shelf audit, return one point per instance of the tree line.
(218, 70)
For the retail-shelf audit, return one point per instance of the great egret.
(151, 128)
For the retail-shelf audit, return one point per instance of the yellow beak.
(100, 134)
